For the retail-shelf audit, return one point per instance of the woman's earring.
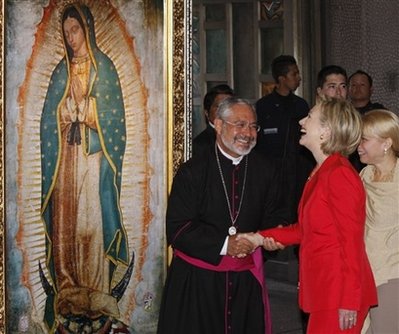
(385, 150)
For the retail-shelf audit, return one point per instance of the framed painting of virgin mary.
(85, 162)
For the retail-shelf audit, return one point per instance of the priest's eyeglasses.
(241, 125)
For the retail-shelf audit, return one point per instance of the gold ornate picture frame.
(180, 50)
(167, 145)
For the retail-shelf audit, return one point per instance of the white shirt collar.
(235, 161)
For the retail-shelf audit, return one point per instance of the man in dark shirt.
(360, 91)
(212, 100)
(278, 116)
(332, 81)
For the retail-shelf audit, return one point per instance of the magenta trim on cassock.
(253, 263)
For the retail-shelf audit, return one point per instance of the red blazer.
(334, 271)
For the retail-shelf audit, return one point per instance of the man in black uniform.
(212, 100)
(360, 90)
(278, 115)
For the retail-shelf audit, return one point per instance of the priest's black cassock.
(198, 300)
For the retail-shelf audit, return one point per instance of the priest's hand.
(239, 247)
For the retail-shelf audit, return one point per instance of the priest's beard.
(236, 148)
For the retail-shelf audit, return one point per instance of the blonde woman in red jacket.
(336, 283)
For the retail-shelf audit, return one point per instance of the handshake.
(243, 244)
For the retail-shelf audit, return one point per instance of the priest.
(215, 282)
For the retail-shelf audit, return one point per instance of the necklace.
(232, 229)
(80, 59)
(80, 65)
(388, 177)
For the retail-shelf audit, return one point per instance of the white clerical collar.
(235, 161)
(211, 125)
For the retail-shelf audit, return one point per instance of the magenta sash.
(253, 263)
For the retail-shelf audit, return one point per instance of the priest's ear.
(218, 125)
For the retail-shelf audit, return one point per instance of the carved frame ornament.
(180, 93)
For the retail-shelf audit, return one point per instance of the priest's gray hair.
(225, 107)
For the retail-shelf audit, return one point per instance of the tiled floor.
(286, 316)
(281, 274)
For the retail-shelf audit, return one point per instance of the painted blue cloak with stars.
(109, 137)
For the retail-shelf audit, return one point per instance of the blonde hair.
(382, 124)
(345, 125)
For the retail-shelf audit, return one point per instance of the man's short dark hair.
(328, 70)
(213, 92)
(281, 66)
(369, 78)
